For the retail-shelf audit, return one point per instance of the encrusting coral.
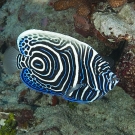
(125, 70)
(116, 3)
(83, 6)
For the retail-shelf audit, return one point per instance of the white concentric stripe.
(96, 65)
(76, 62)
(110, 84)
(53, 43)
(84, 61)
(104, 81)
(67, 75)
(105, 68)
(103, 62)
(24, 61)
(91, 61)
(37, 58)
(86, 88)
(59, 59)
(63, 85)
(43, 62)
(97, 95)
(91, 67)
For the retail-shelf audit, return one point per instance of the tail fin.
(9, 61)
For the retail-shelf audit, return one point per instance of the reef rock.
(125, 70)
(116, 3)
(116, 25)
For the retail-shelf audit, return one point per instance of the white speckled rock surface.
(116, 25)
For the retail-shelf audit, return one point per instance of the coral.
(81, 22)
(82, 25)
(116, 3)
(10, 126)
(63, 4)
(125, 70)
(83, 7)
(55, 101)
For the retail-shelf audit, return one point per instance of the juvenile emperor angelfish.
(60, 65)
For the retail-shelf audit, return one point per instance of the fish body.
(61, 65)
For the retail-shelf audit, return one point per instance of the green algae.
(10, 126)
(72, 105)
(48, 9)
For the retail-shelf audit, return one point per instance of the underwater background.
(102, 25)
